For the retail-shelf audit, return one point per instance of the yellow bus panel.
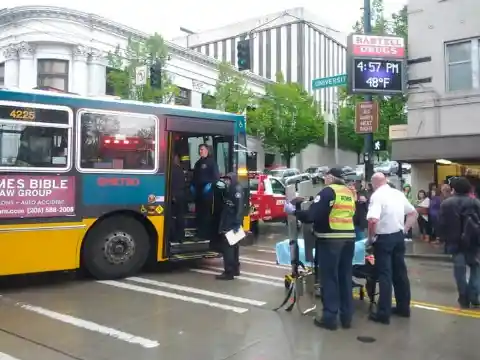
(32, 248)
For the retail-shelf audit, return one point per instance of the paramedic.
(332, 214)
(386, 232)
(205, 174)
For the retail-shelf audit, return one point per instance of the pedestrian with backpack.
(459, 226)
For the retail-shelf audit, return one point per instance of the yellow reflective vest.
(341, 214)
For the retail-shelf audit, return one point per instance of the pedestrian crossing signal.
(243, 55)
(380, 145)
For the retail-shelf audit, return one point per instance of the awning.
(458, 147)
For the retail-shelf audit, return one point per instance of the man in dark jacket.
(231, 219)
(205, 174)
(451, 226)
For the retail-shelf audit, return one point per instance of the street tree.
(137, 53)
(287, 118)
(392, 108)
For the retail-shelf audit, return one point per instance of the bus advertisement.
(85, 182)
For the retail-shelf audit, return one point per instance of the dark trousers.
(389, 251)
(231, 258)
(423, 226)
(468, 291)
(178, 211)
(335, 271)
(203, 213)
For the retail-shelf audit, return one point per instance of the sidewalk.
(419, 249)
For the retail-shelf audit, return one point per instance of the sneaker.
(408, 239)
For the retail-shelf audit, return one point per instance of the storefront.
(437, 159)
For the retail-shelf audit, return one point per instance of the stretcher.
(301, 282)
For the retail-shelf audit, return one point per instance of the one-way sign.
(380, 145)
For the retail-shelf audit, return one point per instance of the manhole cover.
(366, 339)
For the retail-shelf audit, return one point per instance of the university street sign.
(331, 81)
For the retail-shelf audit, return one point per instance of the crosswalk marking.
(4, 356)
(241, 277)
(265, 264)
(171, 295)
(263, 276)
(89, 325)
(196, 291)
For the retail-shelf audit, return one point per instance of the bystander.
(386, 229)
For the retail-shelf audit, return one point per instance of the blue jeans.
(335, 271)
(390, 267)
(468, 291)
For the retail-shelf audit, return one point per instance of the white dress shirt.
(389, 206)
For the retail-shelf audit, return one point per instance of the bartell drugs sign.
(378, 46)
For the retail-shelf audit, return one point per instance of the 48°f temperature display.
(378, 76)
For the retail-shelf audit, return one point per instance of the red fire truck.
(267, 200)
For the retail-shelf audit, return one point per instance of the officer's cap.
(336, 172)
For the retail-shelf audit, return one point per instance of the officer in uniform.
(231, 218)
(205, 174)
(332, 214)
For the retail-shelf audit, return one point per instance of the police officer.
(178, 200)
(332, 214)
(205, 174)
(231, 219)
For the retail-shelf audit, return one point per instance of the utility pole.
(368, 140)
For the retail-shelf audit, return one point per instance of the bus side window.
(113, 140)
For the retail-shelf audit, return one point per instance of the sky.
(166, 17)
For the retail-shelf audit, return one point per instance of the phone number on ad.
(50, 210)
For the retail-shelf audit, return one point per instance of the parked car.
(347, 170)
(388, 168)
(406, 168)
(317, 172)
(290, 175)
(360, 170)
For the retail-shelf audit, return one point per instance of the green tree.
(124, 63)
(232, 95)
(392, 108)
(287, 119)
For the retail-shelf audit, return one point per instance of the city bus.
(84, 182)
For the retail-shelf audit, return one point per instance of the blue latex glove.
(207, 188)
(192, 189)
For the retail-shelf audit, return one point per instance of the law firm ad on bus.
(36, 196)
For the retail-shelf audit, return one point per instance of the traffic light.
(243, 55)
(156, 75)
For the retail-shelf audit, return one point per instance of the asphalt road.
(185, 314)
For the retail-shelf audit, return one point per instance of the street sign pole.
(368, 140)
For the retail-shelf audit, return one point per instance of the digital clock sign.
(380, 76)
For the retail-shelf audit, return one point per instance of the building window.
(183, 97)
(460, 66)
(2, 74)
(112, 141)
(53, 73)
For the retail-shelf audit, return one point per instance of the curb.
(430, 257)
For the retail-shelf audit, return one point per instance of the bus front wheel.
(117, 247)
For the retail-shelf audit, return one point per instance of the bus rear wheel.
(117, 247)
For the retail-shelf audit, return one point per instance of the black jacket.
(205, 172)
(450, 220)
(231, 217)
